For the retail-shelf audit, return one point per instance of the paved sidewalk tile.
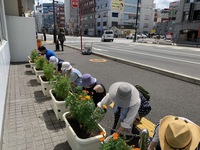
(30, 123)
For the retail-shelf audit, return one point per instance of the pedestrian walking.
(175, 133)
(44, 33)
(61, 38)
(95, 89)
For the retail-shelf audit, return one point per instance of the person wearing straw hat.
(93, 87)
(57, 62)
(127, 102)
(73, 74)
(175, 133)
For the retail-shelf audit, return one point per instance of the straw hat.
(176, 133)
(124, 94)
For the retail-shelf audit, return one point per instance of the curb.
(178, 76)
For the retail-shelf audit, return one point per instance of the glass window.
(115, 14)
(104, 23)
(185, 15)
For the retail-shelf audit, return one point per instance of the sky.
(163, 3)
(159, 3)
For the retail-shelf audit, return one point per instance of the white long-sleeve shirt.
(131, 114)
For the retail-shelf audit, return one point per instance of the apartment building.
(45, 11)
(187, 25)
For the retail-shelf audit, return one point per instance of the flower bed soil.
(80, 131)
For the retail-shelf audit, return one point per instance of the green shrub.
(40, 62)
(62, 87)
(34, 55)
(49, 71)
(82, 108)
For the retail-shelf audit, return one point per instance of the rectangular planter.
(76, 143)
(32, 66)
(59, 107)
(46, 86)
(37, 73)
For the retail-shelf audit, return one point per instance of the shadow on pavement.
(28, 72)
(51, 121)
(40, 98)
(27, 66)
(33, 82)
(63, 146)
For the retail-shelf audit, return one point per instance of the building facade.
(187, 26)
(45, 17)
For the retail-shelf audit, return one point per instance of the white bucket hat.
(66, 66)
(123, 94)
(53, 60)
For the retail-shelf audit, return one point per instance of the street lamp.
(137, 10)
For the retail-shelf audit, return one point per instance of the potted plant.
(32, 58)
(115, 142)
(48, 79)
(59, 93)
(40, 62)
(82, 121)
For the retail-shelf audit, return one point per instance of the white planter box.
(76, 143)
(46, 86)
(59, 107)
(32, 66)
(37, 73)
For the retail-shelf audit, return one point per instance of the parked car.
(108, 35)
(130, 36)
(144, 36)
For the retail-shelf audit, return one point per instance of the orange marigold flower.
(87, 97)
(85, 91)
(83, 98)
(105, 107)
(80, 96)
(115, 136)
(102, 139)
(136, 149)
(102, 133)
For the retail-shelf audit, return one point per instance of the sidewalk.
(30, 123)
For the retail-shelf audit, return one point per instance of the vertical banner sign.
(117, 4)
(74, 3)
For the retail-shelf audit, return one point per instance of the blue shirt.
(49, 53)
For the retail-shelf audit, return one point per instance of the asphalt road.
(182, 60)
(168, 95)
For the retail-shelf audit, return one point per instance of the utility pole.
(137, 10)
(54, 23)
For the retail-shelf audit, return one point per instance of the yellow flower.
(102, 133)
(115, 136)
(102, 139)
(105, 107)
(87, 97)
(80, 96)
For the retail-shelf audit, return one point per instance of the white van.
(108, 35)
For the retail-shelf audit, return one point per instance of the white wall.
(22, 37)
(4, 68)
